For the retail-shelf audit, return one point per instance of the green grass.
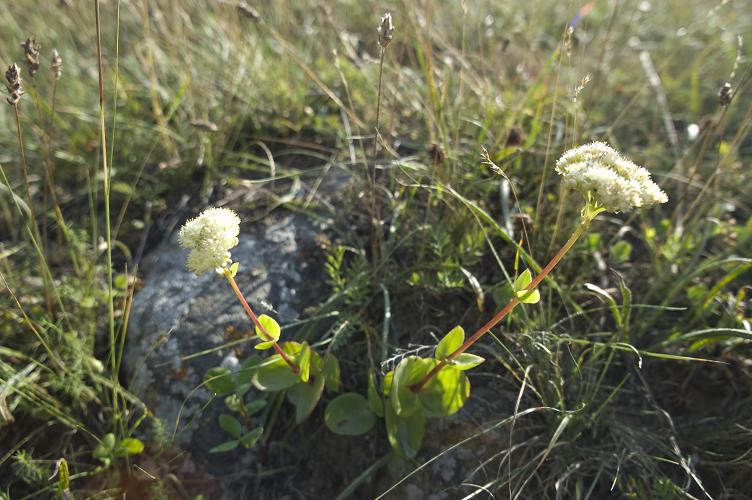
(293, 96)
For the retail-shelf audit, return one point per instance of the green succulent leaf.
(349, 414)
(263, 346)
(271, 327)
(303, 360)
(445, 393)
(106, 446)
(129, 446)
(248, 368)
(255, 406)
(405, 433)
(529, 296)
(274, 374)
(226, 446)
(520, 289)
(219, 380)
(466, 361)
(450, 343)
(522, 281)
(250, 438)
(304, 396)
(331, 373)
(386, 383)
(408, 372)
(234, 269)
(374, 400)
(231, 425)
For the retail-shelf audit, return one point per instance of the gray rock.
(177, 314)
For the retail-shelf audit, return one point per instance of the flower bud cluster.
(615, 183)
(209, 237)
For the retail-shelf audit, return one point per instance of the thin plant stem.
(255, 320)
(375, 231)
(24, 169)
(32, 214)
(508, 308)
(48, 168)
(108, 235)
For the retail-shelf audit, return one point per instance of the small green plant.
(110, 449)
(420, 388)
(294, 368)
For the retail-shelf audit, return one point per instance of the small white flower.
(616, 183)
(209, 237)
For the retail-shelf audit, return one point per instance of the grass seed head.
(57, 64)
(725, 94)
(14, 84)
(31, 54)
(386, 29)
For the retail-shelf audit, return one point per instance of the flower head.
(31, 53)
(57, 64)
(615, 183)
(209, 237)
(14, 84)
(385, 29)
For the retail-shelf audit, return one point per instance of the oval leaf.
(304, 397)
(303, 360)
(522, 281)
(231, 425)
(386, 384)
(450, 343)
(271, 326)
(408, 372)
(255, 406)
(262, 346)
(331, 373)
(274, 375)
(405, 433)
(445, 393)
(249, 438)
(528, 296)
(130, 446)
(466, 361)
(229, 445)
(219, 380)
(349, 415)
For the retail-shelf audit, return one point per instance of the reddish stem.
(506, 310)
(256, 321)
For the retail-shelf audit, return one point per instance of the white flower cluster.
(208, 237)
(616, 183)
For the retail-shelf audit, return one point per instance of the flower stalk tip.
(31, 53)
(386, 30)
(14, 84)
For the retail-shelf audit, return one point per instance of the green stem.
(375, 216)
(108, 235)
(509, 307)
(254, 318)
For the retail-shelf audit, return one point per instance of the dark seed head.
(725, 94)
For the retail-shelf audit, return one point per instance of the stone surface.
(177, 314)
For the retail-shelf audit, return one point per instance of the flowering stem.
(254, 318)
(375, 226)
(587, 218)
